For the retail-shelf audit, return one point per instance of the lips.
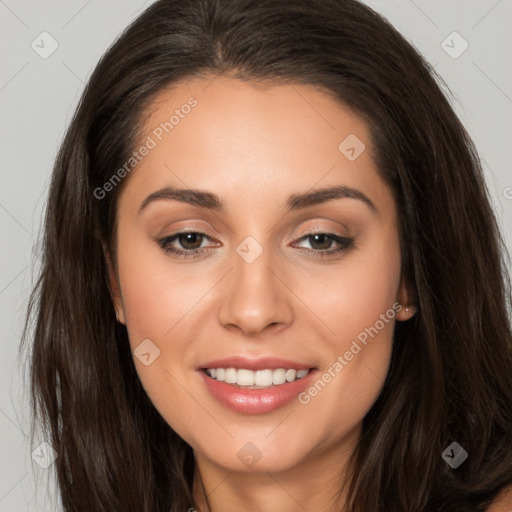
(255, 399)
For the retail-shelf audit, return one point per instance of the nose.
(255, 297)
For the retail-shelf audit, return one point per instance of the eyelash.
(345, 245)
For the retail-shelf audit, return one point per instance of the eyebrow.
(295, 201)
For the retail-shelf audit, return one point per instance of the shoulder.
(503, 502)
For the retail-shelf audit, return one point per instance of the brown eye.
(321, 244)
(186, 244)
(190, 240)
(321, 241)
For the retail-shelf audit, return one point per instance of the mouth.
(255, 386)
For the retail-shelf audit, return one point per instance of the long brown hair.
(451, 373)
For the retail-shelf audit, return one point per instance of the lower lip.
(256, 401)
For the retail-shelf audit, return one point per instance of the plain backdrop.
(39, 92)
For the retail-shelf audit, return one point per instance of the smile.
(259, 379)
(255, 386)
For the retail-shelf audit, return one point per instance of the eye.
(321, 244)
(191, 241)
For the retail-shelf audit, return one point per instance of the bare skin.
(254, 147)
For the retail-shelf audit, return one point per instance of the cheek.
(158, 295)
(165, 304)
(160, 303)
(358, 305)
(354, 293)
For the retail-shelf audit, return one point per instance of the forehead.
(241, 108)
(223, 134)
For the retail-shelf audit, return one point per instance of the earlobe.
(407, 312)
(114, 288)
(407, 300)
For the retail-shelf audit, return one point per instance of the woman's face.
(276, 274)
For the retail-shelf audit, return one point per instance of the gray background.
(37, 99)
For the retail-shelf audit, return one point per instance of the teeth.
(245, 378)
(263, 378)
(255, 379)
(279, 376)
(230, 376)
(302, 373)
(290, 375)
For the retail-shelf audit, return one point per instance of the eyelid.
(316, 228)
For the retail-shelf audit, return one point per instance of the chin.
(258, 455)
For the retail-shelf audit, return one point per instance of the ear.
(114, 288)
(407, 298)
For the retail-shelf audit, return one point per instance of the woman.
(272, 276)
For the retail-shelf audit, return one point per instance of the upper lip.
(260, 363)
